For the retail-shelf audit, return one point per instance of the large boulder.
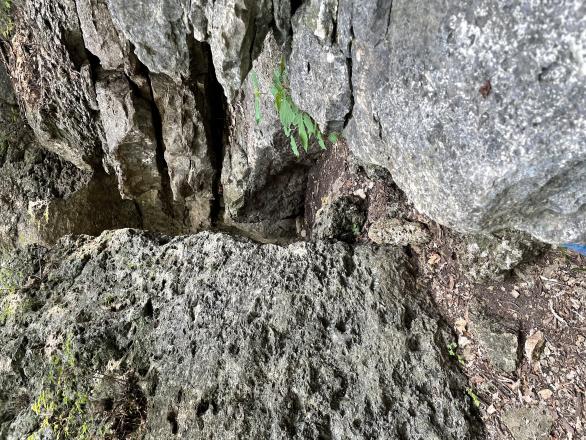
(224, 338)
(476, 108)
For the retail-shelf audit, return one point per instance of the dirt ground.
(521, 334)
(543, 303)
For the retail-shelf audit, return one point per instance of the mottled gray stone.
(100, 36)
(231, 339)
(491, 257)
(236, 29)
(398, 232)
(159, 30)
(528, 422)
(342, 219)
(130, 135)
(319, 72)
(476, 108)
(29, 174)
(187, 147)
(52, 78)
(499, 345)
(42, 196)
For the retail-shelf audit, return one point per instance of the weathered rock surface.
(476, 108)
(341, 218)
(42, 196)
(231, 339)
(160, 32)
(187, 152)
(397, 232)
(320, 73)
(101, 38)
(500, 344)
(52, 79)
(529, 423)
(486, 257)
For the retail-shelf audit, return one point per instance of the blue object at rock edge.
(580, 248)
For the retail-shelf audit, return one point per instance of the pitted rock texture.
(235, 340)
(476, 108)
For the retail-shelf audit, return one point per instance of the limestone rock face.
(101, 37)
(261, 178)
(52, 78)
(185, 135)
(231, 339)
(42, 196)
(320, 68)
(161, 30)
(477, 109)
(130, 136)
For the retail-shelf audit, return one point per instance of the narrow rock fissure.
(215, 115)
(166, 194)
(295, 5)
(389, 19)
(348, 116)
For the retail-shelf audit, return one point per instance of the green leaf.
(287, 115)
(303, 136)
(333, 138)
(294, 146)
(309, 125)
(320, 140)
(473, 396)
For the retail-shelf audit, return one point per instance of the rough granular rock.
(236, 340)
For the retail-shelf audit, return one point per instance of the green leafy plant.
(473, 396)
(66, 410)
(6, 22)
(453, 351)
(296, 123)
(62, 404)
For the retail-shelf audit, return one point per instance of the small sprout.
(453, 351)
(473, 396)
